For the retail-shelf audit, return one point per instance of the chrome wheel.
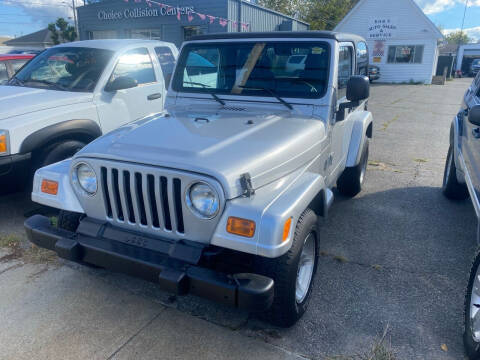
(475, 307)
(363, 170)
(306, 267)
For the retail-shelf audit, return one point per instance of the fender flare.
(362, 129)
(87, 130)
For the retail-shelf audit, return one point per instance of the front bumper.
(172, 264)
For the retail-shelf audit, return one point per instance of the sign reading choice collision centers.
(143, 12)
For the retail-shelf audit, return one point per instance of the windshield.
(476, 62)
(286, 69)
(64, 68)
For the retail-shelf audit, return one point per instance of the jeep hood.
(221, 144)
(18, 100)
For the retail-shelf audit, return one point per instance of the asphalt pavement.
(396, 257)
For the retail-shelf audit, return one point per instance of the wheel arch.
(78, 129)
(362, 130)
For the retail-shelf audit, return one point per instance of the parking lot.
(396, 257)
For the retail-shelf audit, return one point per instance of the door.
(124, 106)
(342, 130)
(3, 73)
(471, 136)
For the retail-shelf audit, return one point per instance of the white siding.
(413, 28)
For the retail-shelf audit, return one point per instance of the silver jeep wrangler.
(219, 196)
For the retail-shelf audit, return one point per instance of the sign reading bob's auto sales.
(382, 29)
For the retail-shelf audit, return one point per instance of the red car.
(9, 64)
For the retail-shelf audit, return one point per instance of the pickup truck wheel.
(58, 152)
(471, 334)
(293, 273)
(351, 181)
(68, 220)
(451, 188)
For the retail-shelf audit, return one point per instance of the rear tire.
(471, 335)
(291, 300)
(451, 188)
(351, 181)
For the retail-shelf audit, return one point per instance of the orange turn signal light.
(242, 227)
(3, 143)
(49, 187)
(286, 229)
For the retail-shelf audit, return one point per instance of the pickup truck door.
(471, 136)
(124, 106)
(341, 130)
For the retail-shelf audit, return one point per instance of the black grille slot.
(139, 195)
(153, 201)
(128, 193)
(177, 191)
(106, 195)
(116, 194)
(166, 208)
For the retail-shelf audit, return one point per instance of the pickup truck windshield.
(64, 68)
(290, 69)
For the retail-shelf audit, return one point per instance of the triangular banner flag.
(201, 16)
(211, 18)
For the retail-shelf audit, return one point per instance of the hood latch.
(246, 183)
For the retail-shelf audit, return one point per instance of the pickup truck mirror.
(358, 88)
(474, 115)
(120, 83)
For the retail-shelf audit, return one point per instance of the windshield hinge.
(246, 182)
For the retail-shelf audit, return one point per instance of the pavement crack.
(10, 268)
(135, 334)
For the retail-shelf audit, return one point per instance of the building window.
(345, 65)
(135, 64)
(148, 34)
(189, 31)
(405, 54)
(103, 34)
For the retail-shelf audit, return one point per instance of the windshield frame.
(176, 83)
(55, 86)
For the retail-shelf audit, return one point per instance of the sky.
(20, 17)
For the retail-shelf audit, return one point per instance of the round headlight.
(86, 178)
(202, 200)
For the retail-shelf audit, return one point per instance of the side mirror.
(358, 88)
(474, 115)
(120, 83)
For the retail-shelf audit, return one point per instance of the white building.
(402, 40)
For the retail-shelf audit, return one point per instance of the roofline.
(432, 25)
(281, 34)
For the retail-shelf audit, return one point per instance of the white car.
(72, 93)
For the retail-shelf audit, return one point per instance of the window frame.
(181, 63)
(352, 70)
(127, 51)
(5, 64)
(413, 56)
(165, 75)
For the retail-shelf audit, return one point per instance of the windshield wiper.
(48, 83)
(271, 92)
(215, 97)
(15, 80)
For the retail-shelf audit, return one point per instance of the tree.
(457, 37)
(288, 7)
(61, 29)
(326, 14)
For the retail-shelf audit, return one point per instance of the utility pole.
(463, 21)
(75, 16)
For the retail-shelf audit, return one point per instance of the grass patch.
(380, 350)
(28, 253)
(54, 221)
(388, 123)
(340, 259)
(420, 160)
(9, 241)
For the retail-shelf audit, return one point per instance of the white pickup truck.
(72, 93)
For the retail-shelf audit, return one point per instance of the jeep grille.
(145, 199)
(148, 199)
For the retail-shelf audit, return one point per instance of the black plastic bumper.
(172, 264)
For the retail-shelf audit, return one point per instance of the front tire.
(351, 181)
(293, 273)
(471, 335)
(451, 188)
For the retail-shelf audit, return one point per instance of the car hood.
(17, 100)
(222, 144)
